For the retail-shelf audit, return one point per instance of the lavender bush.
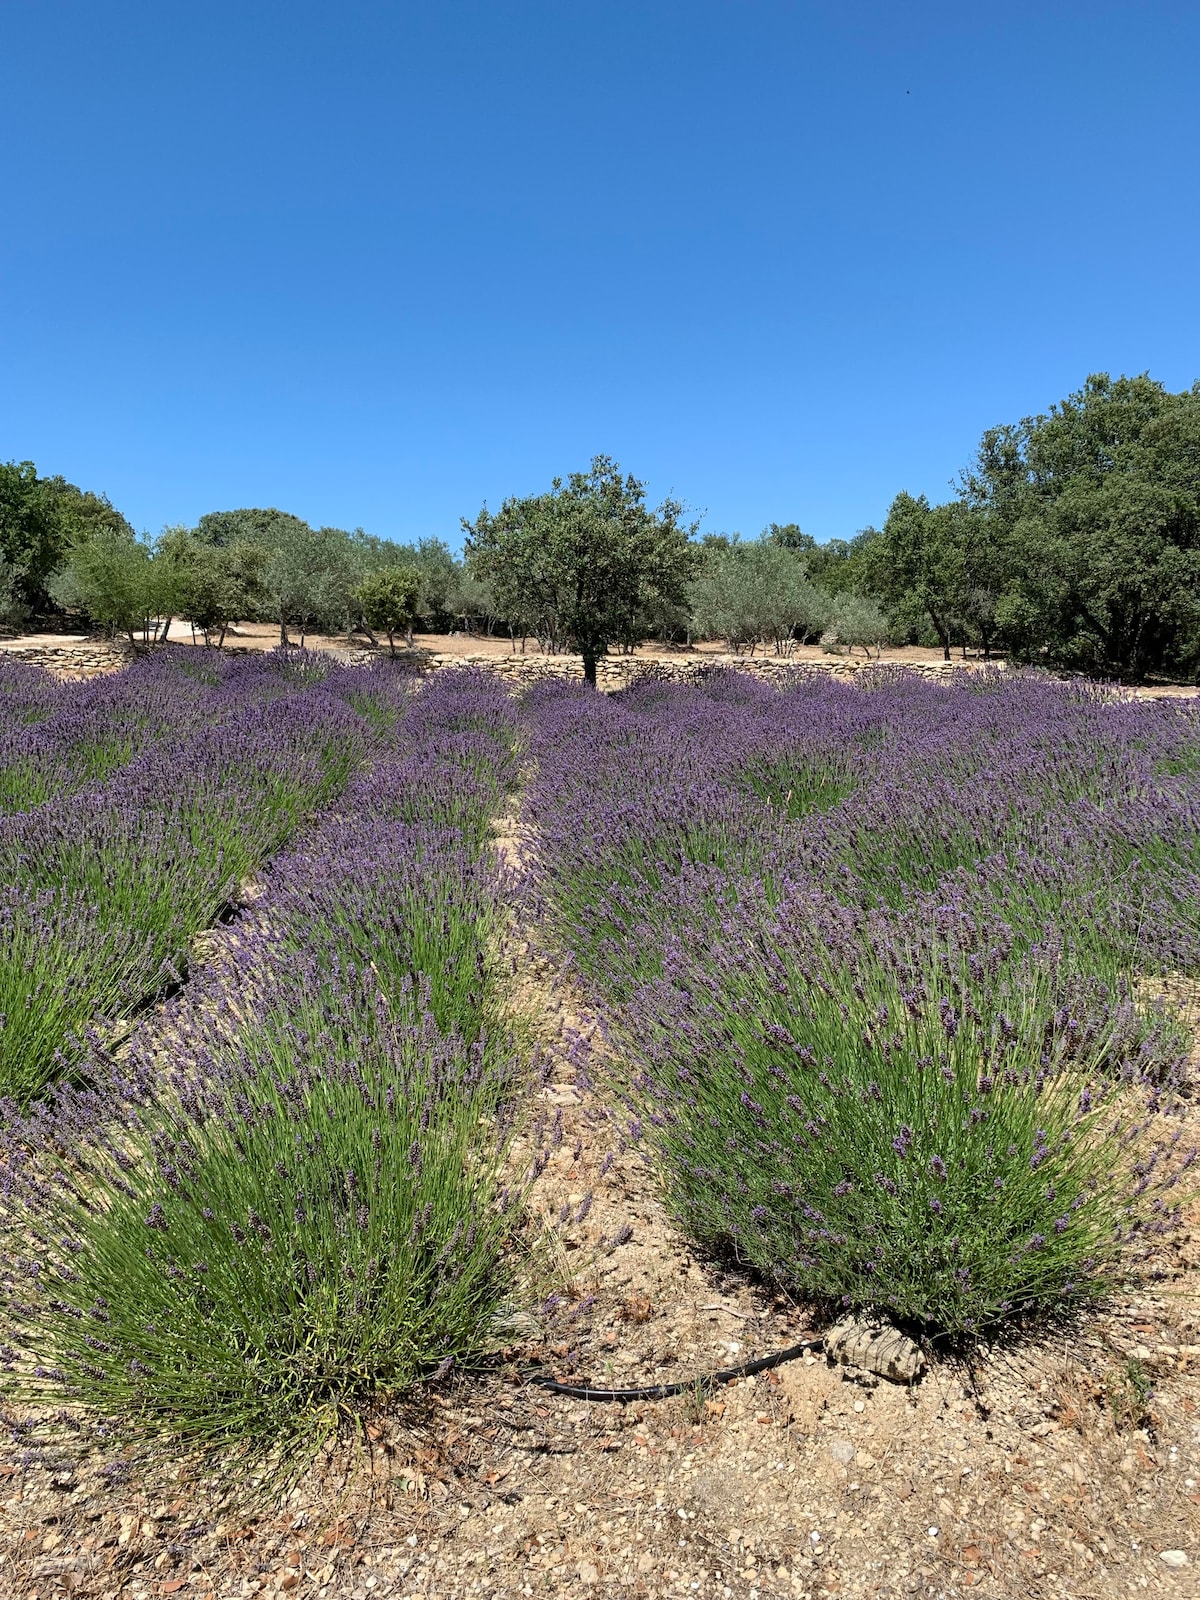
(56, 737)
(904, 1119)
(874, 958)
(27, 693)
(310, 1223)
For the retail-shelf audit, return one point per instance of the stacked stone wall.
(619, 672)
(72, 658)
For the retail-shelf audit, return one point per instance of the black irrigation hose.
(663, 1391)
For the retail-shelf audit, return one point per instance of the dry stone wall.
(72, 658)
(618, 672)
(78, 658)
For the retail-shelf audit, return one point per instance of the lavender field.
(258, 1100)
(883, 967)
(887, 978)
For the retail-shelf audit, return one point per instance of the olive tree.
(214, 584)
(758, 590)
(307, 574)
(117, 581)
(387, 600)
(856, 619)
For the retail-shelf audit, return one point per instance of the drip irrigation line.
(663, 1391)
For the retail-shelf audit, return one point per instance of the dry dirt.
(1068, 1468)
(265, 636)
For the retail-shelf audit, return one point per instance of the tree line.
(1071, 539)
(68, 551)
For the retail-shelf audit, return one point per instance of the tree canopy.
(41, 519)
(750, 591)
(117, 581)
(387, 599)
(586, 562)
(212, 585)
(1074, 539)
(1093, 512)
(304, 576)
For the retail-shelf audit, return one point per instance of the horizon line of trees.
(1072, 539)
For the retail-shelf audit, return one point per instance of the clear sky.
(376, 263)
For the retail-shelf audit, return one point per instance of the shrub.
(314, 1224)
(935, 1127)
(117, 880)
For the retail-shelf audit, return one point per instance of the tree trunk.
(162, 638)
(284, 641)
(221, 640)
(392, 643)
(589, 667)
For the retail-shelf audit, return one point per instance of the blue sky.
(378, 263)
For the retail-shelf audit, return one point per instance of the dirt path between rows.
(1045, 1472)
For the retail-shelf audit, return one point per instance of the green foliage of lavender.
(282, 1204)
(417, 894)
(58, 972)
(924, 1126)
(316, 1229)
(872, 958)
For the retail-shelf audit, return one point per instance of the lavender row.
(876, 958)
(107, 887)
(284, 1200)
(56, 737)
